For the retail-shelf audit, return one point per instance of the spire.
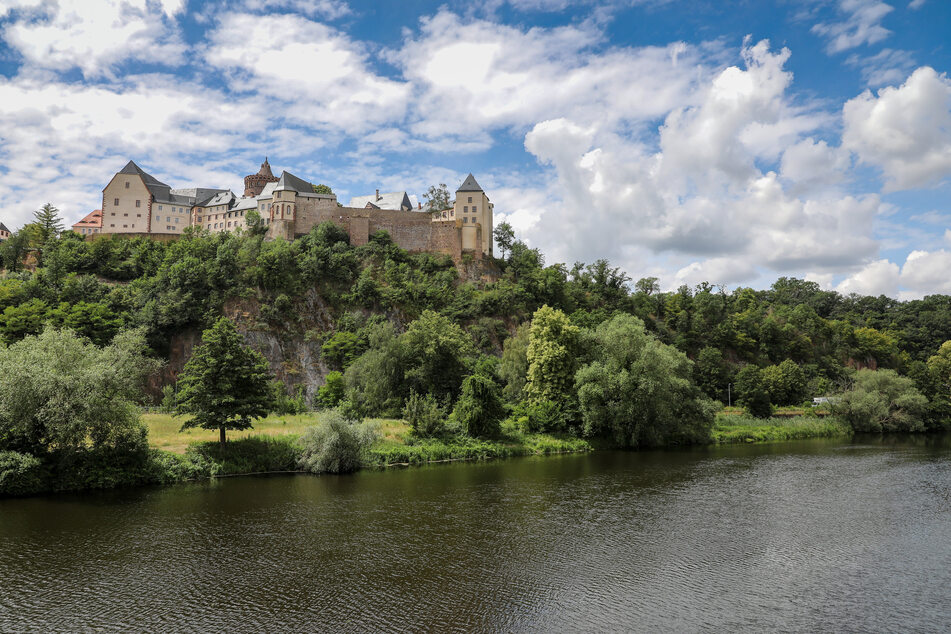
(266, 169)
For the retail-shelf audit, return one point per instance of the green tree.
(479, 409)
(552, 356)
(60, 393)
(47, 222)
(785, 383)
(424, 415)
(332, 391)
(436, 353)
(639, 391)
(437, 198)
(13, 250)
(882, 401)
(514, 367)
(323, 189)
(938, 377)
(225, 385)
(255, 223)
(710, 373)
(751, 392)
(28, 318)
(504, 236)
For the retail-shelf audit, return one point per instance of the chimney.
(378, 194)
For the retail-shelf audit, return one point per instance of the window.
(112, 225)
(125, 226)
(474, 209)
(138, 203)
(158, 218)
(466, 209)
(466, 219)
(127, 184)
(470, 199)
(176, 220)
(112, 213)
(160, 207)
(125, 214)
(138, 215)
(277, 194)
(116, 202)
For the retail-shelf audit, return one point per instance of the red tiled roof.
(93, 219)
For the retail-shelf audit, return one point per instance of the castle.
(136, 203)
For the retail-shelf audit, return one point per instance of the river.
(828, 535)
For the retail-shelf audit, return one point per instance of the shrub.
(541, 416)
(255, 454)
(335, 445)
(169, 399)
(479, 409)
(882, 401)
(20, 474)
(285, 404)
(331, 392)
(424, 415)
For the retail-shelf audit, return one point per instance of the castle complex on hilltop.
(136, 203)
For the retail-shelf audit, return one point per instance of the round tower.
(254, 183)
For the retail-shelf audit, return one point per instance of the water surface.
(810, 536)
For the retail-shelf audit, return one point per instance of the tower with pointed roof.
(254, 184)
(473, 212)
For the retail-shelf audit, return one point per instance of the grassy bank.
(731, 427)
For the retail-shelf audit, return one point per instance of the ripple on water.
(810, 537)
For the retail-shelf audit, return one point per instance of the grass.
(164, 430)
(731, 427)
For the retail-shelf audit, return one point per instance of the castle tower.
(254, 183)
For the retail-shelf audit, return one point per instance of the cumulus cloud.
(479, 75)
(860, 24)
(926, 272)
(94, 35)
(699, 197)
(811, 164)
(876, 278)
(320, 76)
(905, 131)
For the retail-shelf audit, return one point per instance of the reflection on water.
(812, 536)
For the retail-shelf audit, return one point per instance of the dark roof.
(3, 227)
(469, 185)
(289, 181)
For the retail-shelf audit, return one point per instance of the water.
(812, 536)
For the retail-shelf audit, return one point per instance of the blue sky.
(729, 142)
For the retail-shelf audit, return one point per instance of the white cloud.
(888, 66)
(472, 76)
(317, 9)
(319, 75)
(813, 164)
(861, 25)
(926, 273)
(699, 197)
(905, 131)
(916, 4)
(95, 35)
(877, 278)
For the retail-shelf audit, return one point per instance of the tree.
(639, 391)
(938, 378)
(479, 409)
(48, 223)
(504, 237)
(710, 373)
(880, 401)
(437, 198)
(60, 393)
(14, 249)
(514, 366)
(436, 352)
(751, 392)
(225, 385)
(256, 224)
(331, 392)
(785, 383)
(647, 285)
(552, 357)
(323, 189)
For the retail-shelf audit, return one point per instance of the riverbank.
(732, 426)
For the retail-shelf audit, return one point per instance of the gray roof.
(157, 188)
(268, 191)
(291, 182)
(224, 197)
(470, 185)
(389, 200)
(244, 203)
(3, 227)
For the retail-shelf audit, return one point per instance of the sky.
(693, 141)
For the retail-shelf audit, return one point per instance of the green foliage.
(335, 445)
(341, 348)
(437, 198)
(323, 189)
(785, 383)
(436, 352)
(737, 429)
(424, 415)
(504, 236)
(285, 403)
(751, 392)
(552, 355)
(225, 384)
(255, 223)
(47, 222)
(882, 401)
(169, 399)
(59, 393)
(638, 391)
(514, 367)
(479, 409)
(254, 454)
(332, 391)
(20, 474)
(711, 373)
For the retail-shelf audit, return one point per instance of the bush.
(479, 409)
(882, 401)
(335, 445)
(542, 416)
(331, 392)
(424, 415)
(255, 454)
(20, 474)
(284, 404)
